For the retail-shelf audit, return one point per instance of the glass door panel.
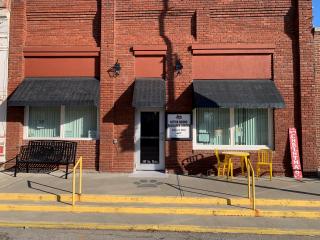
(149, 139)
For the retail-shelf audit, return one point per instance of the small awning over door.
(149, 92)
(56, 92)
(236, 94)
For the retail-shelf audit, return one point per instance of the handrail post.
(80, 183)
(251, 180)
(253, 191)
(73, 185)
(79, 163)
(247, 160)
(249, 183)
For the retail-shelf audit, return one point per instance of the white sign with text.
(178, 126)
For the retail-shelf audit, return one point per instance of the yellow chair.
(223, 166)
(264, 159)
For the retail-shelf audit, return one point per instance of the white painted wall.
(4, 45)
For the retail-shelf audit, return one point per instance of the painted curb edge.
(168, 228)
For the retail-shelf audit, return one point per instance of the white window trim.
(232, 146)
(232, 128)
(26, 122)
(270, 129)
(62, 120)
(62, 123)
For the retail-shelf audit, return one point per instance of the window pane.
(251, 126)
(44, 122)
(80, 122)
(213, 126)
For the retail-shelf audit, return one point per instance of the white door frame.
(137, 134)
(4, 53)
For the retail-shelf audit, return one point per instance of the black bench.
(46, 152)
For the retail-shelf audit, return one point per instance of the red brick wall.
(317, 92)
(186, 23)
(177, 25)
(63, 22)
(307, 87)
(107, 84)
(16, 70)
(46, 23)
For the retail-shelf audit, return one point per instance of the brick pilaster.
(107, 85)
(18, 26)
(317, 90)
(307, 85)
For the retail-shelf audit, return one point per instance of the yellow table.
(243, 157)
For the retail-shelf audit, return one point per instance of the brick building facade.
(216, 42)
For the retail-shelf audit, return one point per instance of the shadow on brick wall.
(122, 115)
(290, 28)
(198, 164)
(96, 25)
(170, 160)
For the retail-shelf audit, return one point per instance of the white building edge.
(4, 53)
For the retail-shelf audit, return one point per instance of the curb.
(167, 228)
(161, 210)
(94, 198)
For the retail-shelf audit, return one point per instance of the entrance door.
(149, 139)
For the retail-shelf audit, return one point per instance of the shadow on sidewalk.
(198, 191)
(258, 186)
(37, 186)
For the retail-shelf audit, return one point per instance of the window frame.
(62, 123)
(232, 146)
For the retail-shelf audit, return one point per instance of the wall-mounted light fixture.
(114, 71)
(178, 67)
(117, 68)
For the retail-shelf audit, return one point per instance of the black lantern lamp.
(116, 69)
(178, 67)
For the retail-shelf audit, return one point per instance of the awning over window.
(55, 92)
(149, 92)
(237, 94)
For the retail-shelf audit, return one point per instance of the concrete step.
(142, 213)
(154, 206)
(161, 210)
(157, 200)
(163, 205)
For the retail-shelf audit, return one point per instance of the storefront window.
(80, 122)
(251, 126)
(62, 122)
(44, 122)
(233, 127)
(213, 126)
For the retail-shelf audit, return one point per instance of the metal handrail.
(79, 163)
(251, 180)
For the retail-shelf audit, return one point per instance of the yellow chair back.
(223, 166)
(216, 152)
(264, 159)
(265, 156)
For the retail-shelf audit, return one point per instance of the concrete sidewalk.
(158, 184)
(152, 201)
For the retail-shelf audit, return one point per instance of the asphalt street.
(62, 234)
